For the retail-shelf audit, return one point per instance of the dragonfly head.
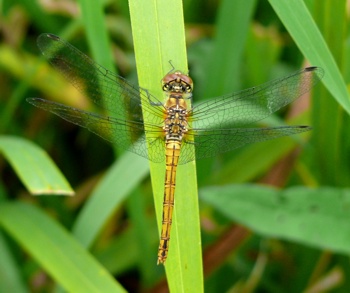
(177, 82)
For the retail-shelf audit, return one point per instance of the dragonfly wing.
(256, 103)
(209, 143)
(129, 135)
(106, 89)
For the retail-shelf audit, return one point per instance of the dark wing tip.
(305, 127)
(311, 68)
(319, 71)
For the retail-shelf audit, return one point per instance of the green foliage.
(96, 241)
(32, 165)
(300, 214)
(55, 249)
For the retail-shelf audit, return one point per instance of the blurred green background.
(274, 216)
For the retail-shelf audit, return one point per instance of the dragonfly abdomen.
(172, 154)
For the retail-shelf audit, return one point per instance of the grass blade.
(96, 31)
(117, 183)
(228, 46)
(158, 33)
(330, 151)
(59, 253)
(299, 23)
(10, 277)
(34, 167)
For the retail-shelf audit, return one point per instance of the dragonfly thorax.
(175, 123)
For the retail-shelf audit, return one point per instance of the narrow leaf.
(299, 23)
(34, 167)
(117, 183)
(158, 33)
(56, 250)
(10, 277)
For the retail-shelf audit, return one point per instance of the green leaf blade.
(60, 254)
(158, 33)
(34, 167)
(299, 214)
(10, 276)
(301, 26)
(117, 183)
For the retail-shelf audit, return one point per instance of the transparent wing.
(127, 134)
(105, 89)
(127, 129)
(209, 143)
(256, 103)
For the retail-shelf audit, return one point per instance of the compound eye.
(166, 87)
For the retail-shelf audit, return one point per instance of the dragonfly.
(168, 131)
